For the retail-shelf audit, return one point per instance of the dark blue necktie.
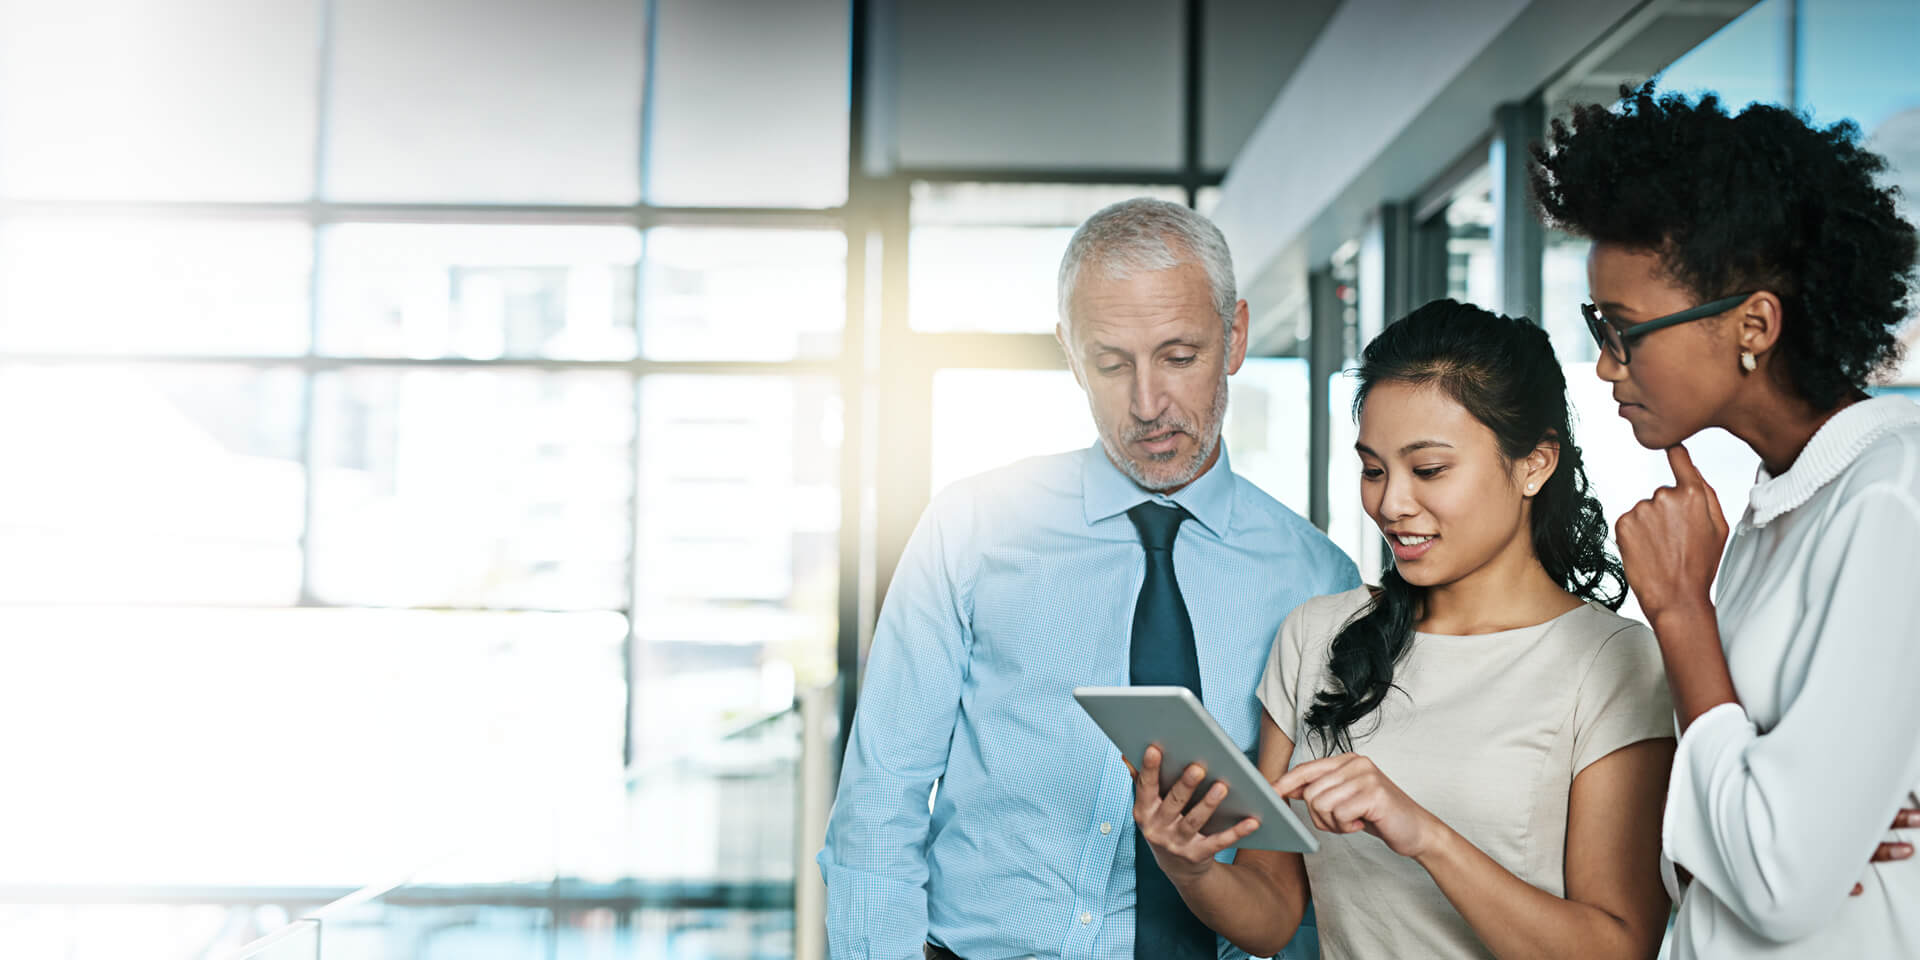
(1162, 654)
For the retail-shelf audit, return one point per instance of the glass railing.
(114, 921)
(706, 855)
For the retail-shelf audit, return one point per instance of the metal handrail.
(763, 721)
(635, 775)
(632, 893)
(262, 945)
(219, 895)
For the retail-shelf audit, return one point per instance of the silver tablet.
(1173, 719)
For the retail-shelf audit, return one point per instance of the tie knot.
(1157, 524)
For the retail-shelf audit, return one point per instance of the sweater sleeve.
(1778, 825)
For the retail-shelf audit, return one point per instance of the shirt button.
(1106, 828)
(1086, 918)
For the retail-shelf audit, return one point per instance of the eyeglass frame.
(1600, 328)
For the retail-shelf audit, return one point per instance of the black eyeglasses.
(1616, 341)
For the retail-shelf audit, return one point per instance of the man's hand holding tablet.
(1175, 824)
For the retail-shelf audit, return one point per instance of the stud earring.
(1747, 362)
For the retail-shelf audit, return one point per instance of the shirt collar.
(1108, 493)
(1842, 438)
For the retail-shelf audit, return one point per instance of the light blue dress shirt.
(1017, 586)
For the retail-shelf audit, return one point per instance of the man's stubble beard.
(1209, 441)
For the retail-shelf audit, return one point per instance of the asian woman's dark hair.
(1759, 200)
(1504, 372)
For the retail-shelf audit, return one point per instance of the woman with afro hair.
(1747, 273)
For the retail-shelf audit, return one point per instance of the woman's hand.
(1671, 546)
(1906, 819)
(1346, 793)
(1173, 831)
(1671, 542)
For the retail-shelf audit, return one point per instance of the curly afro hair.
(1761, 200)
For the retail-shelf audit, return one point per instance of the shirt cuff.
(1685, 827)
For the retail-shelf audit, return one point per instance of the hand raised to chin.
(1671, 542)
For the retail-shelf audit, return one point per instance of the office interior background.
(452, 451)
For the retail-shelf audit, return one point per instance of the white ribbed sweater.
(1777, 803)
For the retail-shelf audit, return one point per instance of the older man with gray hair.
(1056, 572)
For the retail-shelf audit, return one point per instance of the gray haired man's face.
(1153, 357)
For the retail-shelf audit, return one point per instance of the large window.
(1469, 217)
(1348, 525)
(1563, 276)
(983, 256)
(1854, 63)
(420, 417)
(983, 259)
(1265, 431)
(426, 428)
